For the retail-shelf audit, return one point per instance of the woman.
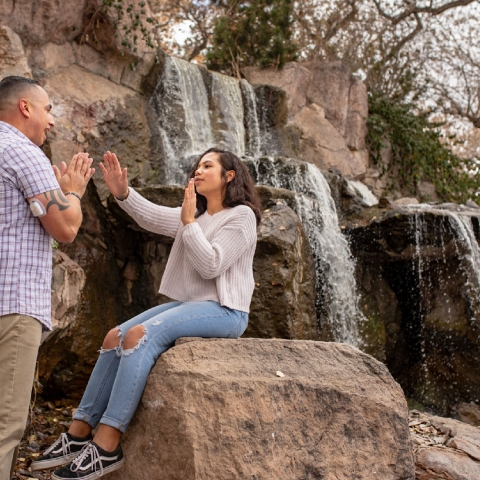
(208, 273)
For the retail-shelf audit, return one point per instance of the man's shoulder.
(18, 149)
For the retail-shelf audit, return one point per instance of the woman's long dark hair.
(238, 191)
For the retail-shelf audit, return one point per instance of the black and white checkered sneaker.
(93, 462)
(63, 450)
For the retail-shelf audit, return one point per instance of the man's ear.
(230, 175)
(24, 107)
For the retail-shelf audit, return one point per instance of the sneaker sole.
(110, 468)
(54, 462)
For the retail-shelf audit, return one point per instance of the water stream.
(227, 98)
(181, 103)
(338, 300)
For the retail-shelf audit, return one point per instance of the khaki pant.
(19, 342)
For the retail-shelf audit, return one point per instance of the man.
(36, 203)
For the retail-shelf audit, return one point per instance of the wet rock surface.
(419, 290)
(221, 409)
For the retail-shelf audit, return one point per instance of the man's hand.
(76, 177)
(115, 178)
(189, 204)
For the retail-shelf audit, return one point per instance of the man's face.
(41, 120)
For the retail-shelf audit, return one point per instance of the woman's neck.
(214, 205)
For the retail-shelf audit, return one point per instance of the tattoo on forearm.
(56, 197)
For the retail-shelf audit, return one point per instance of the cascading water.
(181, 103)
(445, 305)
(227, 99)
(334, 266)
(466, 245)
(252, 125)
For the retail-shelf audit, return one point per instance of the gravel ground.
(46, 421)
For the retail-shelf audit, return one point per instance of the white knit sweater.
(211, 259)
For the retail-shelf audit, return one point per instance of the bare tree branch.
(396, 48)
(413, 9)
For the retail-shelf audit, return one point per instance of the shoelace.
(63, 439)
(89, 450)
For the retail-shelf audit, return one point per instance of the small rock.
(406, 201)
(471, 204)
(33, 447)
(279, 374)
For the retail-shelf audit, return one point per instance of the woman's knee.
(133, 336)
(112, 339)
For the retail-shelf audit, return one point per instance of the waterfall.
(181, 103)
(469, 253)
(465, 243)
(253, 147)
(227, 98)
(334, 265)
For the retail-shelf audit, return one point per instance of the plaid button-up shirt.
(25, 247)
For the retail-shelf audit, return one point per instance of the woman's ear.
(230, 175)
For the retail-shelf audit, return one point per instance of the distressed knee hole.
(112, 341)
(135, 337)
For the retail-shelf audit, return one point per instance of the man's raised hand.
(76, 176)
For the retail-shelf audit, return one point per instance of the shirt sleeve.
(30, 170)
(151, 217)
(229, 243)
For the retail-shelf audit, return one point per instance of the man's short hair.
(13, 86)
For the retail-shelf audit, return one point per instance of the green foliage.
(252, 33)
(419, 151)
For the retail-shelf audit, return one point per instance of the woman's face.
(208, 175)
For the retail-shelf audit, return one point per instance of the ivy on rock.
(420, 151)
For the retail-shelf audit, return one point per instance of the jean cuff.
(111, 422)
(79, 415)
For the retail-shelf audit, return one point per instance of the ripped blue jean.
(119, 377)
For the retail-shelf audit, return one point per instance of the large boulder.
(250, 408)
(322, 144)
(283, 304)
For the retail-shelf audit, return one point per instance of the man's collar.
(7, 127)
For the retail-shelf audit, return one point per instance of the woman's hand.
(189, 204)
(115, 178)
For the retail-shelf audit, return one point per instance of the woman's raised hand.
(189, 204)
(115, 178)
